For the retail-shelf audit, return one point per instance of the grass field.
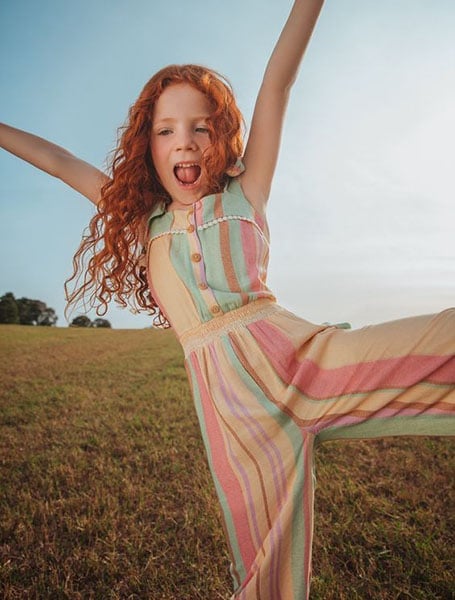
(105, 493)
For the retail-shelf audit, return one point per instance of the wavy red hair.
(106, 266)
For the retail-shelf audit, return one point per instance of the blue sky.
(362, 210)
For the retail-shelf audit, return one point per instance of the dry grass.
(105, 492)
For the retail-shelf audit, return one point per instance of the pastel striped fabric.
(269, 386)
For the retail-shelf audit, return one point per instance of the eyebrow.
(172, 119)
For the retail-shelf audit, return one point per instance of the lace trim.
(170, 232)
(211, 223)
(231, 218)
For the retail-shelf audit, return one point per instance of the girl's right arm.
(54, 160)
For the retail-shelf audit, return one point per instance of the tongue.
(187, 174)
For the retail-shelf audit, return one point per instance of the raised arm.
(54, 160)
(264, 140)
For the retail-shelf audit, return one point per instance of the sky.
(362, 210)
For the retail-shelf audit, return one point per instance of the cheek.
(158, 154)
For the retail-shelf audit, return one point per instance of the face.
(179, 138)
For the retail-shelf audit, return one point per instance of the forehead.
(180, 100)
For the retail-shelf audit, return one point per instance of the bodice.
(209, 259)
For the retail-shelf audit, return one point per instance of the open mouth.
(187, 173)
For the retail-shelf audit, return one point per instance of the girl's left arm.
(261, 152)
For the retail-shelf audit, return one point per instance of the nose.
(186, 140)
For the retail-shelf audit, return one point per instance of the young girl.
(180, 228)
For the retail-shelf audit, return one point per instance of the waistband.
(233, 320)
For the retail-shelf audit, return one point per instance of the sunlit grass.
(105, 491)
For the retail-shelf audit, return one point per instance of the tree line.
(25, 311)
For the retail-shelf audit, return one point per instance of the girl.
(180, 228)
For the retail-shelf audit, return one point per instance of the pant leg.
(396, 378)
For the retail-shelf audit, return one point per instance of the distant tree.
(81, 321)
(47, 318)
(100, 323)
(26, 311)
(9, 312)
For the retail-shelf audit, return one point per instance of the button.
(202, 286)
(196, 257)
(190, 228)
(215, 309)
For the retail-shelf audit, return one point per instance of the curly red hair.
(117, 232)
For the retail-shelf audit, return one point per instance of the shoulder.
(240, 187)
(242, 184)
(237, 205)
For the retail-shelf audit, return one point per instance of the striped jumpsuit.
(269, 385)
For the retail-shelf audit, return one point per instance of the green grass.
(105, 492)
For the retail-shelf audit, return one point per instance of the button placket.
(197, 261)
(190, 217)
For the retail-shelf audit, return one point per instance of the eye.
(202, 130)
(164, 132)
